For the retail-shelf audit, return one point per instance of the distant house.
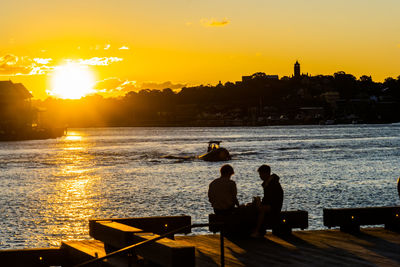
(331, 97)
(15, 107)
(259, 76)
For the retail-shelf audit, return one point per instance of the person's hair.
(226, 170)
(264, 169)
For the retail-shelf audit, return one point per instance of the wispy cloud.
(214, 23)
(123, 48)
(22, 65)
(42, 61)
(15, 65)
(160, 86)
(107, 47)
(99, 61)
(115, 86)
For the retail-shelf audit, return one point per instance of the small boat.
(215, 152)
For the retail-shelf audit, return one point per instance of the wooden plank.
(81, 251)
(242, 223)
(112, 233)
(158, 224)
(350, 219)
(372, 247)
(165, 252)
(33, 257)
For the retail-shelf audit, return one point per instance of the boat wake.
(179, 157)
(245, 153)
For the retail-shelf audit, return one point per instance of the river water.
(50, 188)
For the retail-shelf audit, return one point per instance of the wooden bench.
(164, 252)
(33, 257)
(157, 225)
(244, 225)
(350, 219)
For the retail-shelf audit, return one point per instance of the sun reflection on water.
(71, 205)
(74, 198)
(73, 138)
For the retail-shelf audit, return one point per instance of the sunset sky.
(125, 45)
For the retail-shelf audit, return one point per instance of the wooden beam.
(112, 233)
(239, 224)
(165, 252)
(350, 219)
(33, 257)
(158, 224)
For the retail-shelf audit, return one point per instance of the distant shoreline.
(220, 125)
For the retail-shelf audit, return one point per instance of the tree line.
(257, 100)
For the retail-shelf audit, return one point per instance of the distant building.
(15, 106)
(246, 78)
(331, 97)
(297, 69)
(259, 76)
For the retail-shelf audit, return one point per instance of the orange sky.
(129, 45)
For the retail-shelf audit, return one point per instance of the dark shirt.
(273, 194)
(222, 194)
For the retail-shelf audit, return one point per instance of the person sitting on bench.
(222, 192)
(271, 203)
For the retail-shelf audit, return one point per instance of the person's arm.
(211, 194)
(234, 189)
(398, 186)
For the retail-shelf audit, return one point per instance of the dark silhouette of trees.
(258, 99)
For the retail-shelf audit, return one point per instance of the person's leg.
(260, 220)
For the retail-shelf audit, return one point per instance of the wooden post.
(222, 247)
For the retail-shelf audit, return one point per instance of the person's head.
(264, 171)
(226, 170)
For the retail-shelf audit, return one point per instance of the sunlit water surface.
(50, 188)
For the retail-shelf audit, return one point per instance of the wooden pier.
(363, 247)
(370, 247)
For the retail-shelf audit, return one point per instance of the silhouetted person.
(271, 203)
(398, 186)
(222, 192)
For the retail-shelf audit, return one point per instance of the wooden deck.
(371, 247)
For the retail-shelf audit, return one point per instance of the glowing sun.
(72, 81)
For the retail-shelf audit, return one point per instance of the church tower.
(297, 69)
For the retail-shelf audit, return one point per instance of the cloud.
(42, 61)
(115, 86)
(98, 61)
(14, 65)
(214, 23)
(107, 47)
(123, 48)
(23, 65)
(160, 86)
